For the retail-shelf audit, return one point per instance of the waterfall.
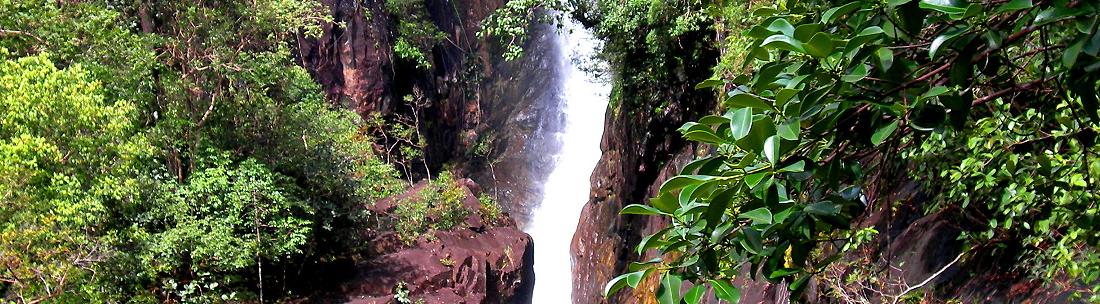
(583, 101)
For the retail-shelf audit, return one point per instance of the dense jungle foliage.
(175, 151)
(991, 106)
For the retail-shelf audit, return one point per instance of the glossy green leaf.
(754, 179)
(681, 181)
(741, 123)
(839, 11)
(710, 83)
(771, 149)
(758, 216)
(705, 136)
(782, 26)
(1069, 57)
(798, 166)
(885, 58)
(883, 132)
(726, 292)
(628, 279)
(695, 294)
(857, 73)
(783, 42)
(641, 209)
(719, 204)
(820, 45)
(782, 272)
(665, 202)
(789, 130)
(804, 31)
(822, 208)
(670, 289)
(743, 100)
(952, 7)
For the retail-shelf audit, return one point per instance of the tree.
(994, 102)
(66, 156)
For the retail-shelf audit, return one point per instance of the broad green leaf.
(623, 280)
(934, 92)
(784, 95)
(726, 292)
(782, 26)
(782, 216)
(718, 206)
(751, 240)
(666, 202)
(831, 14)
(799, 283)
(741, 123)
(805, 31)
(771, 149)
(681, 181)
(1057, 13)
(706, 136)
(670, 289)
(641, 209)
(1069, 57)
(764, 12)
(945, 38)
(782, 272)
(758, 216)
(711, 120)
(859, 72)
(896, 3)
(784, 42)
(761, 129)
(798, 166)
(883, 132)
(871, 31)
(823, 208)
(742, 100)
(820, 46)
(710, 83)
(695, 294)
(754, 179)
(950, 7)
(885, 58)
(790, 129)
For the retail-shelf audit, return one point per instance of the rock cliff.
(470, 94)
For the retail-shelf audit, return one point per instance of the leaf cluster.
(910, 81)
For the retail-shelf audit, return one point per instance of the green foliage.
(66, 158)
(437, 206)
(416, 34)
(178, 154)
(490, 211)
(510, 24)
(226, 218)
(999, 116)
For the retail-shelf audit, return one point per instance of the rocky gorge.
(474, 98)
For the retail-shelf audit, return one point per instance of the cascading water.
(583, 100)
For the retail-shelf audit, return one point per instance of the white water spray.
(584, 101)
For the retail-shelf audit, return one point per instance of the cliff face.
(354, 62)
